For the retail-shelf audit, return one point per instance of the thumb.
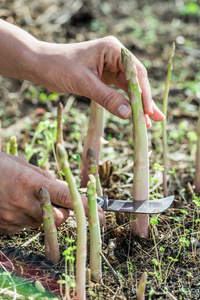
(110, 99)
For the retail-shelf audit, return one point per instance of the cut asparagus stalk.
(164, 122)
(140, 224)
(93, 170)
(93, 138)
(50, 231)
(94, 227)
(141, 287)
(13, 145)
(81, 223)
(197, 162)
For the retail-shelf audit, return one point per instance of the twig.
(31, 240)
(117, 277)
(164, 122)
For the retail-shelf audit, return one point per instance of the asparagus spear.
(50, 231)
(197, 163)
(93, 170)
(81, 223)
(13, 145)
(59, 124)
(94, 227)
(59, 138)
(0, 135)
(140, 142)
(164, 122)
(141, 287)
(93, 138)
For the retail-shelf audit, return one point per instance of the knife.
(137, 207)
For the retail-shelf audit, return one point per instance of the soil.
(148, 28)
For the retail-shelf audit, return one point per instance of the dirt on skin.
(148, 28)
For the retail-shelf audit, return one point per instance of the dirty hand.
(19, 202)
(82, 68)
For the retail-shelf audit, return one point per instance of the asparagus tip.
(44, 196)
(60, 106)
(92, 179)
(91, 154)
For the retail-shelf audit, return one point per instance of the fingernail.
(124, 111)
(149, 124)
(150, 110)
(163, 117)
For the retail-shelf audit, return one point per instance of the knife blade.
(137, 207)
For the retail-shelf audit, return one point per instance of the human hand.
(19, 202)
(87, 69)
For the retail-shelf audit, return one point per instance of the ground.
(148, 28)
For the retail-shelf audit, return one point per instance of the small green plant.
(157, 262)
(69, 275)
(45, 136)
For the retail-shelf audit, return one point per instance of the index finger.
(145, 87)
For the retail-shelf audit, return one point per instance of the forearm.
(18, 52)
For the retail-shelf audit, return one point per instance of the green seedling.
(156, 262)
(45, 135)
(69, 281)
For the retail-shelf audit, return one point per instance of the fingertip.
(60, 215)
(148, 121)
(157, 114)
(124, 111)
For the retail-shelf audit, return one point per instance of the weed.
(69, 275)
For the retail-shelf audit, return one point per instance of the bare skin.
(72, 68)
(19, 203)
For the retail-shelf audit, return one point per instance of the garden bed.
(147, 28)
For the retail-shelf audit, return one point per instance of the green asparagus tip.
(172, 50)
(92, 178)
(124, 54)
(44, 196)
(13, 139)
(60, 106)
